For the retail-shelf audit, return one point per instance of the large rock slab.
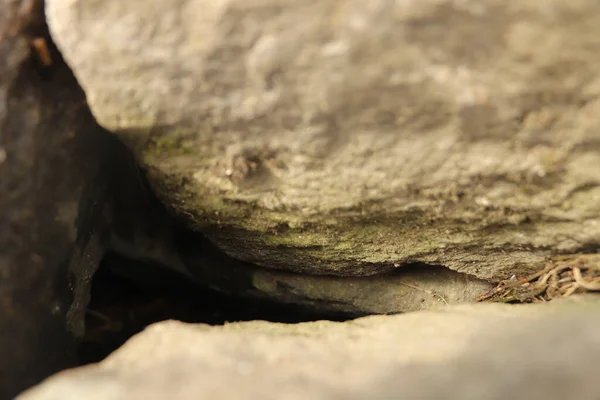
(350, 137)
(490, 351)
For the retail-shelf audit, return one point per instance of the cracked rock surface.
(347, 137)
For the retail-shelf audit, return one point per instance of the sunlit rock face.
(352, 137)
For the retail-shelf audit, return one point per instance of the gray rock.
(545, 351)
(344, 138)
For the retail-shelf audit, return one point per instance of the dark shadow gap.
(122, 306)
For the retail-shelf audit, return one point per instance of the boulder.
(545, 351)
(351, 137)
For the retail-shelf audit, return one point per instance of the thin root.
(594, 285)
(562, 277)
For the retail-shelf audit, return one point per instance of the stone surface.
(411, 288)
(54, 183)
(545, 351)
(149, 233)
(347, 137)
(153, 235)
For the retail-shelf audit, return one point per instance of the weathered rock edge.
(547, 351)
(346, 137)
(412, 288)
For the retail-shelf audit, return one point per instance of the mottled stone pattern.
(485, 351)
(350, 137)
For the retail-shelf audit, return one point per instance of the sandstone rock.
(54, 185)
(490, 351)
(347, 137)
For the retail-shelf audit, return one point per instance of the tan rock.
(490, 351)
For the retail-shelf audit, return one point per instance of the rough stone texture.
(150, 233)
(346, 137)
(418, 288)
(53, 192)
(411, 288)
(490, 351)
